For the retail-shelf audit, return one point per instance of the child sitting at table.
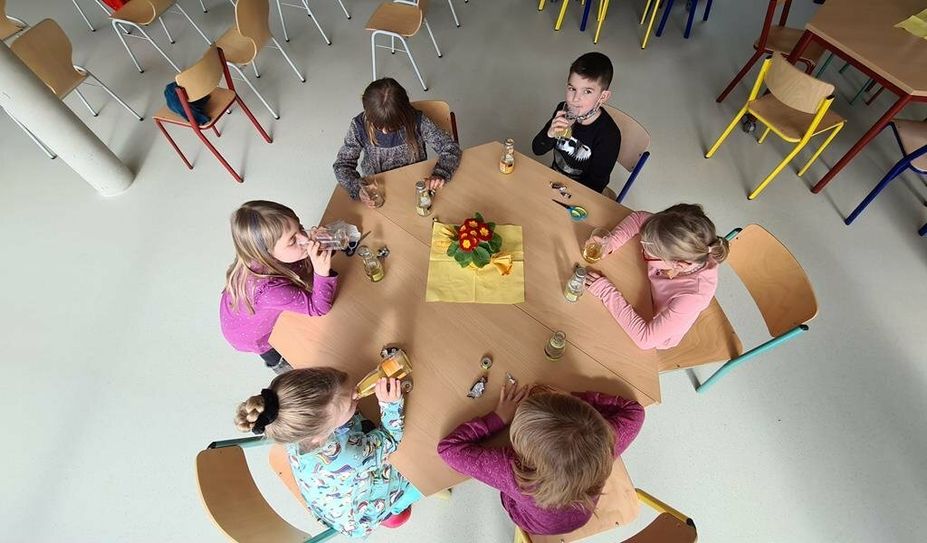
(585, 139)
(338, 457)
(562, 452)
(277, 268)
(682, 251)
(392, 134)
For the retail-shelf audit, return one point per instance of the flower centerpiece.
(474, 242)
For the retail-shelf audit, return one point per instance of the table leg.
(800, 47)
(582, 25)
(867, 137)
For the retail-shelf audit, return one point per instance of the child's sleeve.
(289, 297)
(447, 149)
(376, 445)
(542, 144)
(629, 227)
(462, 451)
(625, 416)
(345, 165)
(673, 320)
(604, 157)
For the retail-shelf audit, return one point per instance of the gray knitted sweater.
(391, 152)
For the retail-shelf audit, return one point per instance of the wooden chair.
(198, 81)
(912, 140)
(635, 142)
(776, 39)
(9, 26)
(242, 42)
(778, 285)
(305, 5)
(235, 503)
(796, 108)
(399, 20)
(440, 113)
(139, 14)
(670, 526)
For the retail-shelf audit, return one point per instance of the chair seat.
(219, 102)
(913, 136)
(782, 39)
(791, 123)
(237, 48)
(401, 19)
(665, 529)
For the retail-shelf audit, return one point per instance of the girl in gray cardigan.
(391, 134)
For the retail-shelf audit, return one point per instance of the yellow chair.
(670, 526)
(243, 42)
(9, 26)
(139, 14)
(796, 108)
(653, 17)
(440, 113)
(399, 20)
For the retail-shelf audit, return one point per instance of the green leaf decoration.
(485, 245)
(463, 258)
(495, 244)
(491, 225)
(480, 257)
(478, 217)
(452, 249)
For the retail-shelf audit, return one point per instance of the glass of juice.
(594, 248)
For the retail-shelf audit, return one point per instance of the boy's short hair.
(594, 66)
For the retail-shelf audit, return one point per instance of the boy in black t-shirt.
(589, 153)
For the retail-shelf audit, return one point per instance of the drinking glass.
(374, 191)
(594, 248)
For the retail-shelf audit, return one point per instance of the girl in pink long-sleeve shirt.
(274, 261)
(682, 251)
(563, 449)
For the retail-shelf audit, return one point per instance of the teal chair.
(234, 501)
(778, 285)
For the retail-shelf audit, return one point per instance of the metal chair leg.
(287, 58)
(48, 152)
(344, 9)
(894, 172)
(286, 36)
(740, 75)
(316, 22)
(667, 7)
(707, 10)
(215, 152)
(691, 18)
(653, 17)
(752, 353)
(254, 121)
(86, 103)
(405, 44)
(727, 132)
(778, 169)
(820, 150)
(428, 28)
(173, 144)
(253, 89)
(155, 45)
(560, 17)
(113, 94)
(195, 27)
(450, 4)
(83, 16)
(373, 54)
(631, 178)
(126, 45)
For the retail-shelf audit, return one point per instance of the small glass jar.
(507, 161)
(576, 285)
(555, 346)
(422, 199)
(372, 266)
(331, 240)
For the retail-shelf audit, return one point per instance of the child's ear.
(606, 94)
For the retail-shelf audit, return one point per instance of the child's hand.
(320, 258)
(509, 398)
(558, 124)
(591, 277)
(434, 182)
(388, 390)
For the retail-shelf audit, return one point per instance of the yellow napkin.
(915, 24)
(501, 282)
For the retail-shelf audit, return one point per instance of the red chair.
(200, 80)
(776, 39)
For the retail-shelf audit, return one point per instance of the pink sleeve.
(672, 321)
(286, 296)
(462, 451)
(626, 229)
(625, 416)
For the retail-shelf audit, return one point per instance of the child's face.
(583, 95)
(293, 245)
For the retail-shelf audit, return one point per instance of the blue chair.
(778, 285)
(234, 501)
(635, 140)
(912, 139)
(692, 5)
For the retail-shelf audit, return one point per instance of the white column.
(25, 97)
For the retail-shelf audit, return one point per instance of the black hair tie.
(269, 415)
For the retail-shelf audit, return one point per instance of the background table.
(445, 341)
(863, 33)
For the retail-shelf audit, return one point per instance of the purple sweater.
(462, 451)
(271, 296)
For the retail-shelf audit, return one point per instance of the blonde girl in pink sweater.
(682, 251)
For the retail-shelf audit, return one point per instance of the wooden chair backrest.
(280, 463)
(439, 112)
(635, 139)
(234, 501)
(251, 18)
(423, 6)
(665, 529)
(794, 87)
(203, 77)
(775, 280)
(142, 12)
(46, 50)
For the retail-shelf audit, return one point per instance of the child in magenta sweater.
(563, 449)
(682, 251)
(277, 268)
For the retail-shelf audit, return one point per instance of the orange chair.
(196, 82)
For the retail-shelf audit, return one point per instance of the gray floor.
(117, 373)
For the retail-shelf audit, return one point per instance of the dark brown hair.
(595, 67)
(387, 107)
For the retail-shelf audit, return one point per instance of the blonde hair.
(387, 106)
(565, 450)
(683, 232)
(304, 397)
(256, 228)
